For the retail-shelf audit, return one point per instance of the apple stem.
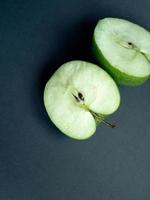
(108, 124)
(96, 116)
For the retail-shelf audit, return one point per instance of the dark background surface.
(37, 162)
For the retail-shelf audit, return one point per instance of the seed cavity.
(79, 98)
(130, 45)
(80, 95)
(76, 98)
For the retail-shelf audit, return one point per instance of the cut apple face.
(78, 96)
(123, 49)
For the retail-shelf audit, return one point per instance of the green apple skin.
(119, 77)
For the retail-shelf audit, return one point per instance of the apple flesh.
(78, 96)
(123, 49)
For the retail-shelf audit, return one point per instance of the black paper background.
(37, 162)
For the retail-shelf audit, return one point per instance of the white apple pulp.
(75, 92)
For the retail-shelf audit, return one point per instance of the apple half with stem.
(78, 96)
(123, 49)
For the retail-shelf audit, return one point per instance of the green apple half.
(78, 96)
(123, 49)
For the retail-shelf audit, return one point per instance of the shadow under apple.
(75, 46)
